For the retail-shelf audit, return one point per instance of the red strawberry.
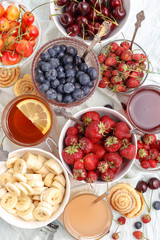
(115, 72)
(115, 236)
(145, 164)
(125, 141)
(112, 144)
(136, 57)
(79, 164)
(101, 58)
(116, 79)
(125, 45)
(95, 131)
(80, 128)
(121, 130)
(72, 131)
(153, 153)
(119, 51)
(128, 151)
(142, 66)
(104, 82)
(122, 67)
(145, 146)
(132, 64)
(115, 169)
(121, 220)
(143, 58)
(86, 145)
(102, 166)
(143, 153)
(111, 54)
(98, 150)
(139, 144)
(90, 161)
(71, 139)
(79, 174)
(139, 235)
(108, 122)
(146, 218)
(149, 139)
(132, 83)
(91, 176)
(113, 46)
(110, 61)
(158, 159)
(117, 87)
(108, 175)
(126, 55)
(72, 153)
(107, 73)
(156, 145)
(90, 116)
(152, 163)
(113, 159)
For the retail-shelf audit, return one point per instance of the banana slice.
(35, 183)
(8, 201)
(36, 203)
(38, 190)
(12, 211)
(23, 190)
(53, 166)
(23, 203)
(32, 161)
(61, 179)
(10, 161)
(27, 214)
(43, 171)
(52, 195)
(10, 170)
(20, 166)
(2, 192)
(58, 185)
(41, 159)
(28, 187)
(45, 204)
(36, 198)
(13, 189)
(49, 179)
(4, 178)
(42, 213)
(37, 177)
(18, 177)
(55, 208)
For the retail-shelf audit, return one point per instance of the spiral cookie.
(126, 200)
(24, 86)
(8, 76)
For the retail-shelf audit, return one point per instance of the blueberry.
(52, 52)
(156, 205)
(51, 74)
(83, 67)
(92, 73)
(70, 73)
(56, 48)
(90, 84)
(108, 106)
(124, 106)
(68, 98)
(63, 47)
(78, 94)
(60, 69)
(138, 225)
(68, 66)
(77, 85)
(61, 75)
(60, 55)
(39, 63)
(59, 97)
(40, 78)
(67, 59)
(51, 94)
(69, 88)
(46, 66)
(79, 73)
(38, 70)
(71, 51)
(76, 68)
(43, 88)
(62, 80)
(86, 90)
(55, 83)
(54, 62)
(84, 79)
(70, 80)
(45, 56)
(60, 88)
(77, 60)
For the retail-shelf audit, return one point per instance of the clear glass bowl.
(91, 60)
(137, 49)
(36, 23)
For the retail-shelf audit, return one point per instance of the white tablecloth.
(148, 37)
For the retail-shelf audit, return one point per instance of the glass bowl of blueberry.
(61, 76)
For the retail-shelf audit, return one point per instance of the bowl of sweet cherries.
(123, 70)
(148, 152)
(60, 74)
(19, 34)
(101, 149)
(81, 19)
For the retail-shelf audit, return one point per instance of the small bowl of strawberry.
(101, 149)
(148, 152)
(123, 70)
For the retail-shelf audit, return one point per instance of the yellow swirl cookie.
(8, 76)
(24, 86)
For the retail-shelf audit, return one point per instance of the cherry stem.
(2, 140)
(149, 210)
(121, 5)
(41, 5)
(117, 229)
(145, 202)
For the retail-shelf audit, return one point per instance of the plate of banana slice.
(34, 188)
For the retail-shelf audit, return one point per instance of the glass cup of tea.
(27, 120)
(143, 109)
(84, 219)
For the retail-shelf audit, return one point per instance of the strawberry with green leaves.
(108, 122)
(90, 161)
(113, 159)
(86, 145)
(92, 176)
(89, 117)
(121, 130)
(102, 166)
(72, 153)
(108, 175)
(149, 139)
(128, 151)
(112, 144)
(79, 174)
(139, 235)
(95, 131)
(143, 154)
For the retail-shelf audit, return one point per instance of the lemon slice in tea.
(37, 113)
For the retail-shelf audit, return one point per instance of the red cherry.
(118, 13)
(105, 12)
(72, 8)
(92, 15)
(115, 3)
(82, 21)
(28, 18)
(91, 29)
(83, 8)
(61, 2)
(2, 10)
(66, 19)
(96, 4)
(10, 58)
(32, 32)
(24, 48)
(97, 25)
(73, 30)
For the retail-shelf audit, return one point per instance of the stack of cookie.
(126, 200)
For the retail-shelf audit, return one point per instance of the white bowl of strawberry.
(148, 152)
(101, 150)
(123, 69)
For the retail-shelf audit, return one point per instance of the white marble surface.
(148, 37)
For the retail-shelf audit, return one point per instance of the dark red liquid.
(144, 109)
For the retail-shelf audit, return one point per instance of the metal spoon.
(3, 153)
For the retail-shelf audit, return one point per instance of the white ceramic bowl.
(56, 18)
(17, 221)
(116, 116)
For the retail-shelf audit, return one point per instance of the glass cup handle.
(48, 145)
